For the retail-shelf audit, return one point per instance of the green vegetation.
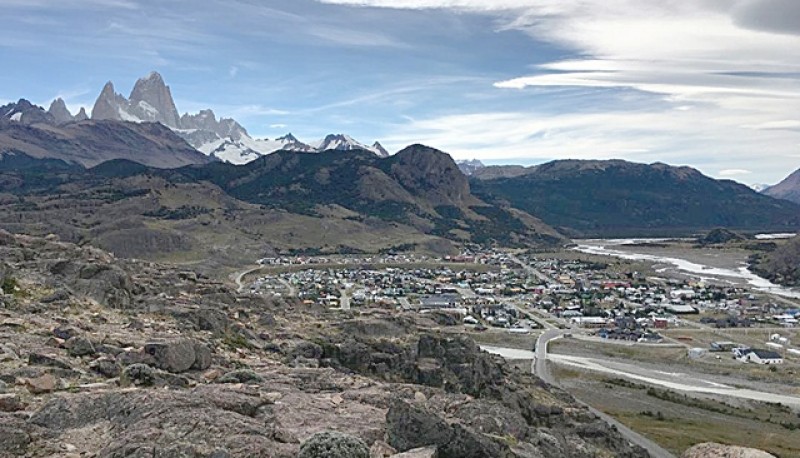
(9, 285)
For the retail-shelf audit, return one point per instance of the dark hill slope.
(788, 189)
(618, 198)
(220, 215)
(419, 186)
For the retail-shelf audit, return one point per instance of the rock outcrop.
(712, 450)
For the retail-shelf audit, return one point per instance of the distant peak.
(153, 76)
(109, 87)
(288, 137)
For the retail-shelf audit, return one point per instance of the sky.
(713, 84)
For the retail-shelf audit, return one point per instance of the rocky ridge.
(107, 357)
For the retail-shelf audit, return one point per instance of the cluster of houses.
(619, 305)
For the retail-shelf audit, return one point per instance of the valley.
(358, 258)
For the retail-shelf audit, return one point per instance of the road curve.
(541, 369)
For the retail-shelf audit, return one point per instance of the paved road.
(672, 380)
(531, 270)
(344, 300)
(541, 369)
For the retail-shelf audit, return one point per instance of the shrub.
(330, 444)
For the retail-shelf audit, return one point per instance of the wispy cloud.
(733, 172)
(720, 77)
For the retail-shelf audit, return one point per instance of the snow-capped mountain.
(341, 142)
(150, 101)
(24, 112)
(224, 138)
(760, 187)
(469, 167)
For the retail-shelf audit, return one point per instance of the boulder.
(712, 450)
(14, 435)
(424, 452)
(106, 367)
(43, 384)
(66, 332)
(330, 444)
(79, 346)
(41, 359)
(179, 355)
(409, 427)
(11, 403)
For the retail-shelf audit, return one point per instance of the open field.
(502, 338)
(677, 422)
(779, 379)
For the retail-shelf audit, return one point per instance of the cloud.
(278, 126)
(781, 16)
(719, 80)
(733, 172)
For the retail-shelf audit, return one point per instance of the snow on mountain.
(224, 138)
(469, 167)
(760, 187)
(341, 142)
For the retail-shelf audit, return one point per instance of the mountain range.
(225, 139)
(619, 198)
(219, 214)
(28, 129)
(788, 188)
(282, 195)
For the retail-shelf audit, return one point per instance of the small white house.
(762, 357)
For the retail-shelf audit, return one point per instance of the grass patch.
(677, 434)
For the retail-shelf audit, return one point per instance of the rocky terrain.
(107, 357)
(780, 264)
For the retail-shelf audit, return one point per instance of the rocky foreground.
(117, 358)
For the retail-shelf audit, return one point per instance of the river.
(694, 263)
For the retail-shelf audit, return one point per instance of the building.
(761, 357)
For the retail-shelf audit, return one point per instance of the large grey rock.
(179, 355)
(330, 444)
(409, 427)
(712, 450)
(79, 346)
(14, 435)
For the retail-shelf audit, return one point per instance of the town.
(523, 292)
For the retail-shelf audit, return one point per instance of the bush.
(330, 444)
(9, 285)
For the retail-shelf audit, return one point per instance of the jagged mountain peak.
(151, 100)
(108, 89)
(470, 166)
(58, 109)
(287, 138)
(380, 150)
(25, 112)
